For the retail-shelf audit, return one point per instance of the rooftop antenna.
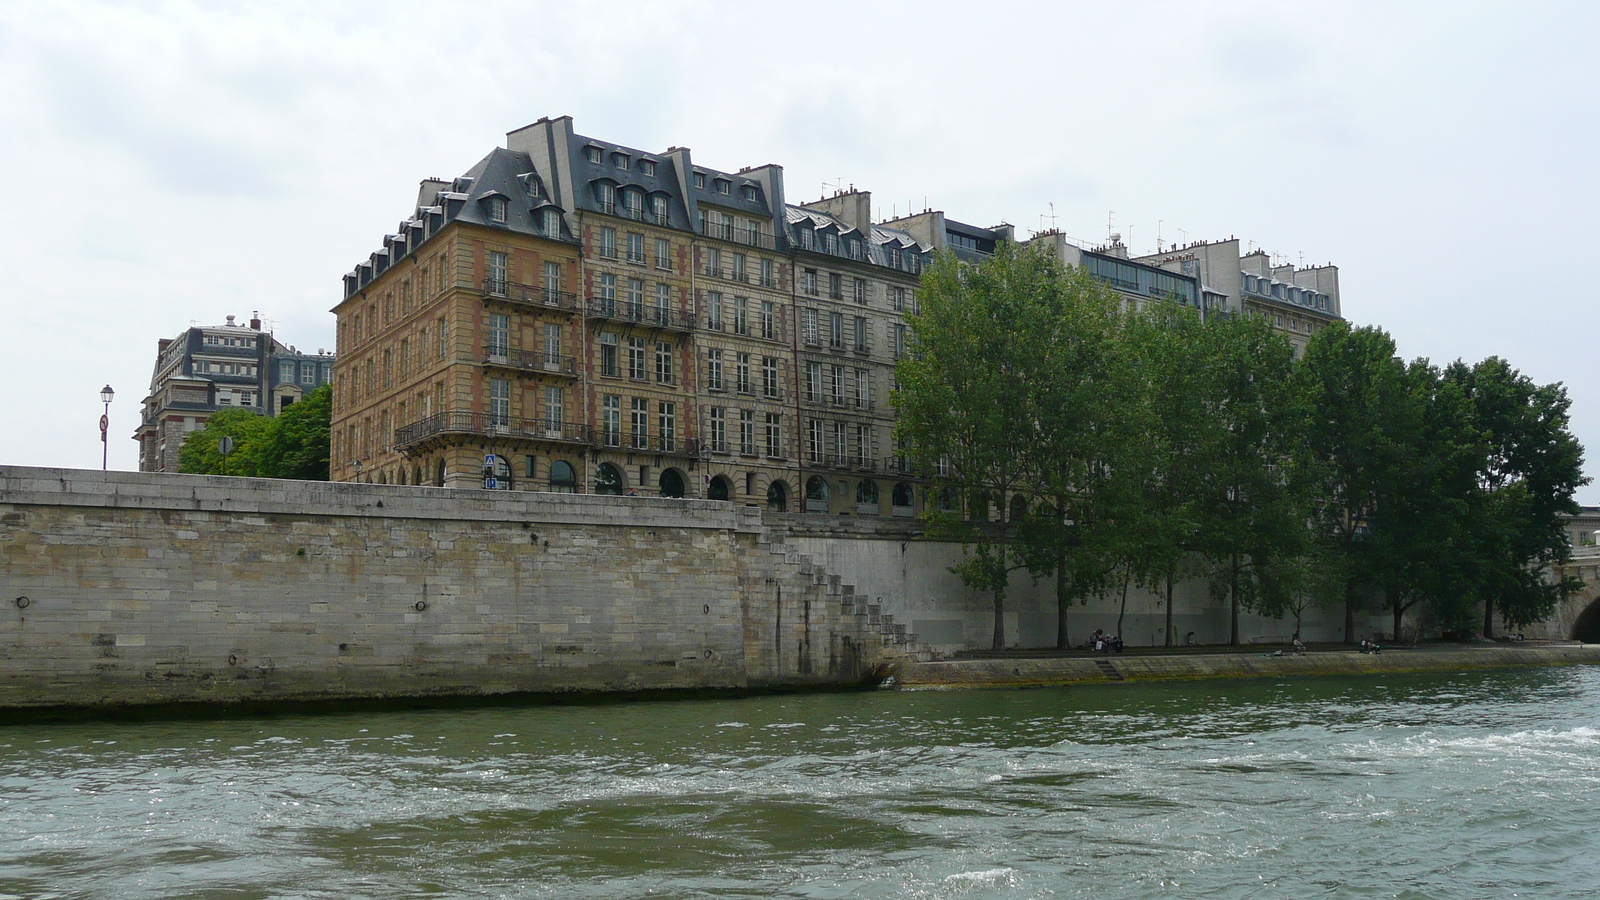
(1184, 235)
(1302, 259)
(1158, 235)
(1111, 223)
(1052, 216)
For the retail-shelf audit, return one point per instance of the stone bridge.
(1578, 617)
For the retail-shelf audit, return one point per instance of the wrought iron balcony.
(638, 313)
(899, 465)
(629, 442)
(529, 295)
(487, 425)
(531, 361)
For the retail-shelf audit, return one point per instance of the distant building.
(1137, 282)
(229, 366)
(1298, 301)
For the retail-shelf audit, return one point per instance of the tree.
(199, 454)
(1087, 424)
(1361, 420)
(296, 445)
(1421, 533)
(966, 399)
(1248, 481)
(293, 445)
(1170, 353)
(1532, 467)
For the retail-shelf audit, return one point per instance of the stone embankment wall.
(889, 561)
(133, 588)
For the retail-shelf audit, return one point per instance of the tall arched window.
(719, 489)
(671, 483)
(816, 494)
(777, 497)
(562, 478)
(1019, 507)
(608, 480)
(867, 492)
(903, 500)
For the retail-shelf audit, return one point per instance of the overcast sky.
(173, 163)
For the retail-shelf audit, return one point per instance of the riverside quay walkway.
(1039, 668)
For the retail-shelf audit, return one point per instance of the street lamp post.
(358, 471)
(106, 393)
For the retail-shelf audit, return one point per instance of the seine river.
(1481, 785)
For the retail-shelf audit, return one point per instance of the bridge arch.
(1587, 626)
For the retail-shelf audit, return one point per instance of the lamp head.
(106, 393)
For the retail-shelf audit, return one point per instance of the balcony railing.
(733, 234)
(531, 360)
(654, 316)
(898, 465)
(637, 443)
(529, 295)
(488, 425)
(837, 402)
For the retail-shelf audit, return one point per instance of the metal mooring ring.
(421, 605)
(22, 602)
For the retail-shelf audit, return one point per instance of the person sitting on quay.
(1299, 648)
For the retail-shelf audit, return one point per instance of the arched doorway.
(439, 479)
(671, 483)
(608, 480)
(1587, 628)
(816, 494)
(1019, 507)
(562, 479)
(777, 497)
(719, 489)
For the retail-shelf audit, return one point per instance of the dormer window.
(749, 192)
(497, 209)
(550, 222)
(620, 160)
(593, 153)
(700, 180)
(658, 207)
(724, 186)
(605, 193)
(647, 167)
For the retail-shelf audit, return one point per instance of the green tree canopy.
(293, 445)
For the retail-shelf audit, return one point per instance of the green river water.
(1480, 785)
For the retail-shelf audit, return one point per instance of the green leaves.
(1150, 443)
(294, 445)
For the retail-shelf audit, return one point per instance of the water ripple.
(1470, 785)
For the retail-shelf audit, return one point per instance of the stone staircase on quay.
(856, 614)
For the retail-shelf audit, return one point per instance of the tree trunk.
(1169, 609)
(1350, 614)
(1488, 617)
(1233, 602)
(1061, 601)
(1126, 577)
(999, 618)
(1399, 613)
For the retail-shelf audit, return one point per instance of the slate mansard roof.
(546, 164)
